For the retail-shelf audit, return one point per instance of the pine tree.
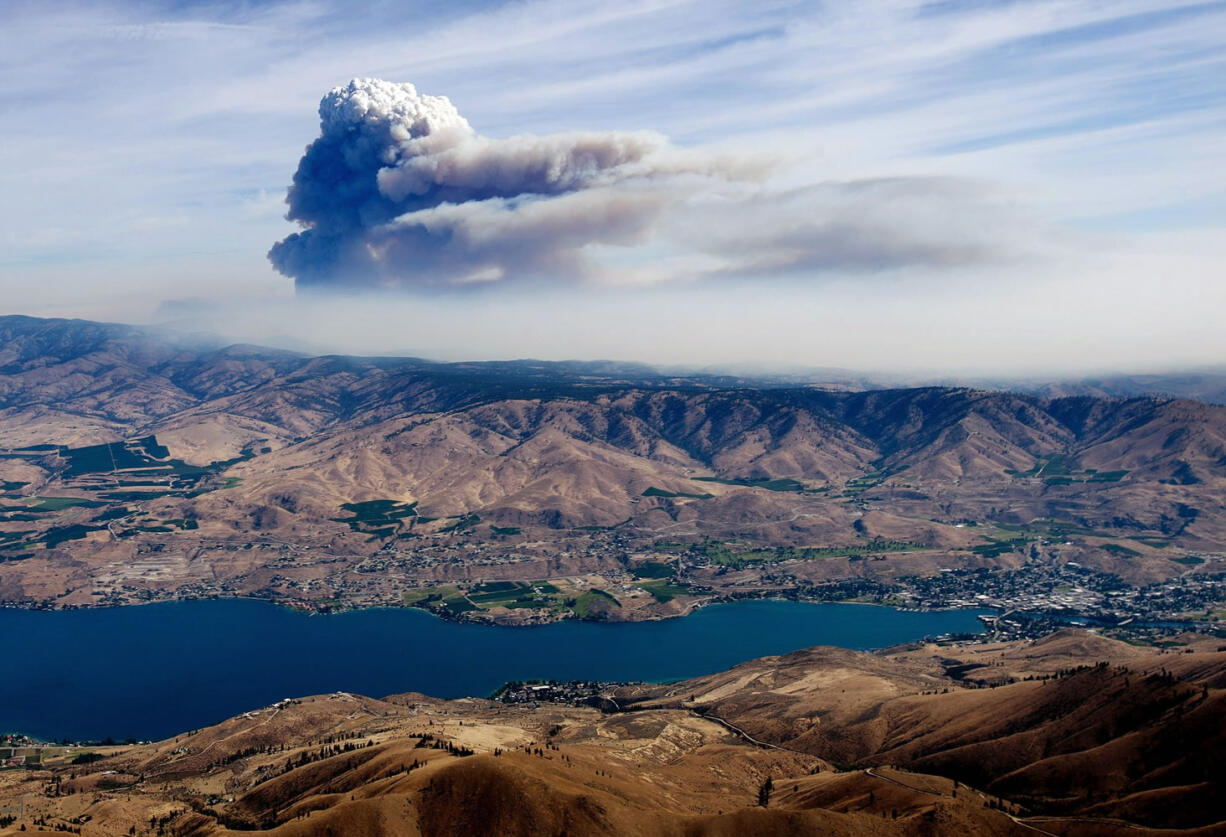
(764, 792)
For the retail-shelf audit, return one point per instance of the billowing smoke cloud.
(399, 191)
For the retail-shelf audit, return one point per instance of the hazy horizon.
(195, 331)
(1033, 188)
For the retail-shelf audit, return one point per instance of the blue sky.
(148, 147)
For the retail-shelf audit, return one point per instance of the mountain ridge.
(520, 462)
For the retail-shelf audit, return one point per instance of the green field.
(133, 496)
(53, 504)
(13, 537)
(1009, 537)
(458, 604)
(1119, 550)
(514, 594)
(780, 484)
(463, 522)
(723, 554)
(664, 590)
(379, 518)
(57, 535)
(653, 569)
(445, 599)
(1056, 470)
(1053, 466)
(520, 595)
(1052, 528)
(660, 492)
(133, 470)
(594, 603)
(999, 548)
(855, 487)
(415, 597)
(497, 587)
(603, 528)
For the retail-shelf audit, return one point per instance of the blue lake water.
(153, 671)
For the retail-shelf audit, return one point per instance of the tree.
(764, 792)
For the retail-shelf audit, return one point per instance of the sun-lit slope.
(119, 374)
(343, 764)
(563, 462)
(464, 462)
(586, 462)
(1095, 726)
(204, 438)
(821, 700)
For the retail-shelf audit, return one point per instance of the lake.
(152, 671)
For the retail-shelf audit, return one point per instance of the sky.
(956, 187)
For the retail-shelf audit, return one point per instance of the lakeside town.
(601, 578)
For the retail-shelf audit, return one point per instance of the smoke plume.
(399, 191)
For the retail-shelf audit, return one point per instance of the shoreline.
(1143, 630)
(495, 620)
(510, 619)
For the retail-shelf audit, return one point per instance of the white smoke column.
(395, 188)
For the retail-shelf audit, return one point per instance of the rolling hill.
(1071, 735)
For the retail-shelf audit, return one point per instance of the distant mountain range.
(118, 440)
(1206, 384)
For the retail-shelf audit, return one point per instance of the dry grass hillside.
(1071, 724)
(895, 743)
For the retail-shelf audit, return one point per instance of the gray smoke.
(398, 191)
